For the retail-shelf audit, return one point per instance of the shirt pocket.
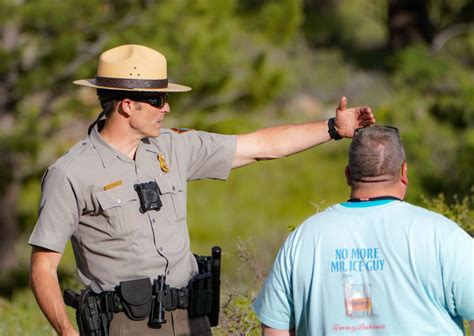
(172, 196)
(120, 207)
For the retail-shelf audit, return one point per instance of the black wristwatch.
(333, 133)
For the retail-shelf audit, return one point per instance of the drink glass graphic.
(357, 299)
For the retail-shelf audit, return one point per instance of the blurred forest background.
(251, 63)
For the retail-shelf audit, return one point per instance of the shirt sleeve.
(274, 304)
(210, 155)
(58, 212)
(458, 274)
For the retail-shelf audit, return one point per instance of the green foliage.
(14, 313)
(279, 20)
(460, 211)
(417, 68)
(237, 316)
(441, 96)
(369, 18)
(447, 12)
(455, 105)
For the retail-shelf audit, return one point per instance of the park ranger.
(119, 195)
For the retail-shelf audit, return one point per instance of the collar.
(108, 155)
(378, 198)
(358, 203)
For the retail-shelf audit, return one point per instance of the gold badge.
(163, 165)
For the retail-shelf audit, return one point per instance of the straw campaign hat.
(132, 67)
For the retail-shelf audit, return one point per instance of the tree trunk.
(408, 22)
(8, 225)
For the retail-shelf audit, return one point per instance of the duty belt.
(174, 298)
(139, 299)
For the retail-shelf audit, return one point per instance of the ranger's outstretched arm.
(284, 140)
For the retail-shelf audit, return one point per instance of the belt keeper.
(176, 298)
(171, 299)
(175, 292)
(183, 298)
(109, 302)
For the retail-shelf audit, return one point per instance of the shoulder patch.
(181, 130)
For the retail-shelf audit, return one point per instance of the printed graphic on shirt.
(350, 262)
(357, 298)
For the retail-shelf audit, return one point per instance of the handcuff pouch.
(136, 298)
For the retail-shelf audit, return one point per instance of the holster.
(92, 318)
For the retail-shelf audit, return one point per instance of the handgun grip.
(71, 298)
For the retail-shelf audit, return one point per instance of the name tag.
(113, 185)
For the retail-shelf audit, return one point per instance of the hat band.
(131, 83)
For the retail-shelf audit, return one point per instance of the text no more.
(357, 260)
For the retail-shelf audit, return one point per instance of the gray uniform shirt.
(88, 196)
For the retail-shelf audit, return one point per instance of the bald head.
(376, 155)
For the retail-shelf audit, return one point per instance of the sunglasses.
(157, 101)
(386, 127)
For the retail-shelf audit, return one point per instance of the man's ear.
(404, 173)
(347, 172)
(126, 107)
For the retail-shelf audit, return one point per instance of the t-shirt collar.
(367, 204)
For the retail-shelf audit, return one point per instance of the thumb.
(342, 103)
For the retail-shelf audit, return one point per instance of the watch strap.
(333, 133)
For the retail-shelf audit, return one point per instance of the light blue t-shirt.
(377, 267)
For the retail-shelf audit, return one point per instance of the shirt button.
(119, 200)
(168, 273)
(153, 220)
(161, 249)
(173, 188)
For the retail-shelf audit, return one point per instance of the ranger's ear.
(126, 106)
